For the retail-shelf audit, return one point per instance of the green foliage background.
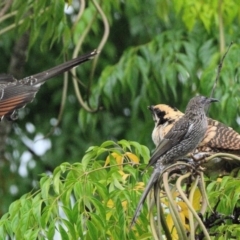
(157, 51)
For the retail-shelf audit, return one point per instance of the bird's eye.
(203, 99)
(158, 112)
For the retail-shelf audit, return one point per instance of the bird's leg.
(199, 159)
(195, 160)
(200, 156)
(12, 116)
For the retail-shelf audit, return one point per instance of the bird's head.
(162, 113)
(199, 102)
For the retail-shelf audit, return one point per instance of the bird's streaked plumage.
(183, 138)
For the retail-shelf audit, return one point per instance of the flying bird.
(15, 94)
(183, 137)
(218, 137)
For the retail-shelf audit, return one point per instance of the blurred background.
(152, 52)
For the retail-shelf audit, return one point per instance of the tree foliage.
(151, 52)
(83, 200)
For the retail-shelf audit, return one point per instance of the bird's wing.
(220, 136)
(172, 138)
(14, 97)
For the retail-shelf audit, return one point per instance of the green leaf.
(51, 230)
(63, 232)
(45, 185)
(107, 144)
(92, 230)
(47, 212)
(124, 144)
(31, 234)
(56, 180)
(70, 229)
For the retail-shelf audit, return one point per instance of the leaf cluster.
(87, 200)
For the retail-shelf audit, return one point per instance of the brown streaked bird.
(182, 139)
(15, 94)
(218, 137)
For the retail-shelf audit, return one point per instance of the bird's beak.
(151, 108)
(210, 100)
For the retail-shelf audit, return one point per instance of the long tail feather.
(43, 76)
(153, 179)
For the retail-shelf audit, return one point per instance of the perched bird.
(15, 94)
(218, 137)
(183, 138)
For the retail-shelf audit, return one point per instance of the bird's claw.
(196, 161)
(200, 156)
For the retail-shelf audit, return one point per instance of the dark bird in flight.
(15, 94)
(183, 138)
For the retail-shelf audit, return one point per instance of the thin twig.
(101, 44)
(63, 102)
(190, 207)
(173, 209)
(7, 5)
(202, 189)
(159, 228)
(191, 199)
(223, 155)
(151, 204)
(219, 69)
(73, 71)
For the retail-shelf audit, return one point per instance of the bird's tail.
(153, 179)
(43, 76)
